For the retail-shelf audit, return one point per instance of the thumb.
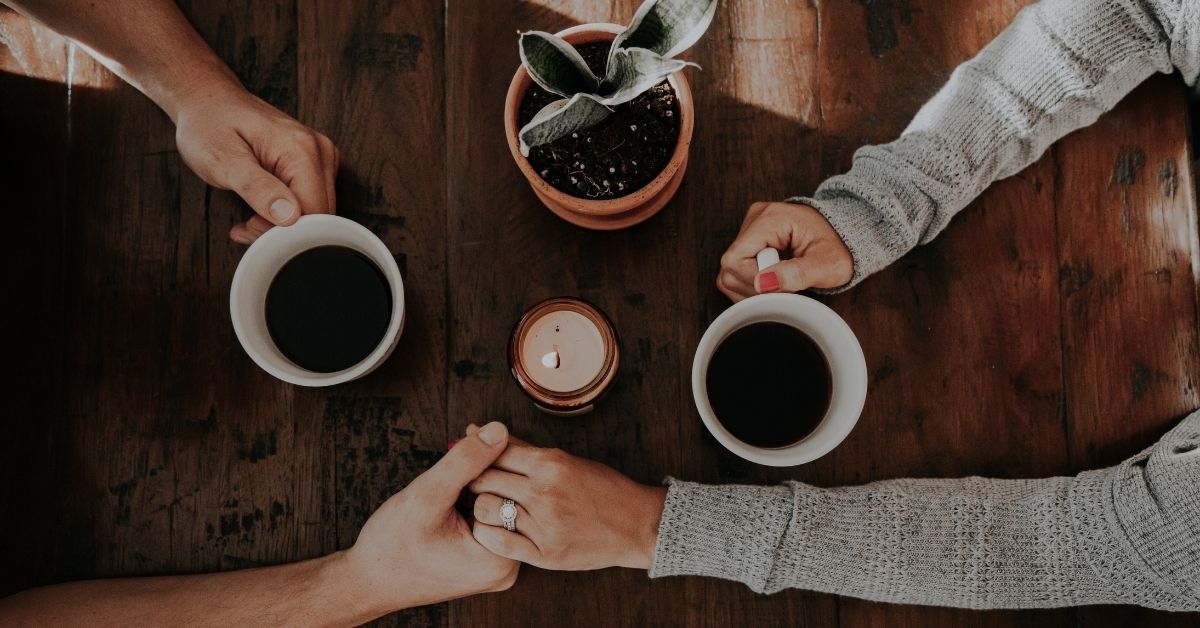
(464, 462)
(264, 192)
(791, 275)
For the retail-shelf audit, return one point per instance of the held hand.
(416, 549)
(281, 168)
(572, 513)
(819, 257)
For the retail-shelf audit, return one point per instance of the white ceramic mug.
(837, 343)
(264, 258)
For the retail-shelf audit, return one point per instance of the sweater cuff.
(722, 531)
(860, 230)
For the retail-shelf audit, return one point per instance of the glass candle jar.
(564, 354)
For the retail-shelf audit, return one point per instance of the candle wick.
(550, 360)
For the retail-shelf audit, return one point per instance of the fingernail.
(282, 210)
(450, 445)
(491, 433)
(768, 282)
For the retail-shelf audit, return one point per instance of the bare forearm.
(315, 592)
(149, 43)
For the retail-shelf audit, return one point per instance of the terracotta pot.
(616, 213)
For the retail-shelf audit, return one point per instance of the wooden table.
(1052, 328)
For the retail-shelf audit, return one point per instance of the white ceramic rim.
(835, 339)
(284, 243)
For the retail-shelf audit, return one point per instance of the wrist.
(213, 81)
(353, 590)
(644, 535)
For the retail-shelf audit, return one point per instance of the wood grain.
(1053, 327)
(1131, 365)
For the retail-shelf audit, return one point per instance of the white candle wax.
(563, 351)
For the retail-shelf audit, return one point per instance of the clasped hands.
(573, 514)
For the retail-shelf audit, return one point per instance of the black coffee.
(769, 384)
(328, 308)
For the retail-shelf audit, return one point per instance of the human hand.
(572, 513)
(416, 549)
(236, 141)
(819, 257)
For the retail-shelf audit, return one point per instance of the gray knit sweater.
(1129, 534)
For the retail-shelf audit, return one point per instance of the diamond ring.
(508, 515)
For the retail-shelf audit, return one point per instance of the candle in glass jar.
(563, 354)
(563, 351)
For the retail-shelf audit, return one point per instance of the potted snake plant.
(599, 117)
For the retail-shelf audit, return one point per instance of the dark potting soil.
(619, 155)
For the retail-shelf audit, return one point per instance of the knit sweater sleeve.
(1128, 534)
(1056, 68)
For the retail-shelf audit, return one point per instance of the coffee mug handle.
(767, 258)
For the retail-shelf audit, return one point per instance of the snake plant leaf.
(561, 118)
(555, 64)
(667, 27)
(632, 71)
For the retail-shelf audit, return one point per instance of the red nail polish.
(768, 282)
(450, 445)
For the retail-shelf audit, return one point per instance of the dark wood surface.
(1052, 328)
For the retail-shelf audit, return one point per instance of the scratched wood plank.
(1130, 333)
(508, 252)
(178, 454)
(758, 125)
(169, 451)
(33, 115)
(372, 79)
(643, 277)
(955, 333)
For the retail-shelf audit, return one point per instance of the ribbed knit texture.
(1129, 534)
(1055, 69)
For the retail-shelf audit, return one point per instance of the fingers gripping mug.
(833, 407)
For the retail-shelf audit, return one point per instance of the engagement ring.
(508, 515)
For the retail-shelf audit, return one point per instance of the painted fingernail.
(768, 282)
(282, 210)
(491, 433)
(450, 445)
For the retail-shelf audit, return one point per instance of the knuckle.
(307, 141)
(250, 185)
(505, 582)
(727, 282)
(480, 509)
(554, 467)
(506, 544)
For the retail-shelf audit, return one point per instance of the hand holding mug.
(572, 513)
(236, 141)
(820, 258)
(416, 549)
